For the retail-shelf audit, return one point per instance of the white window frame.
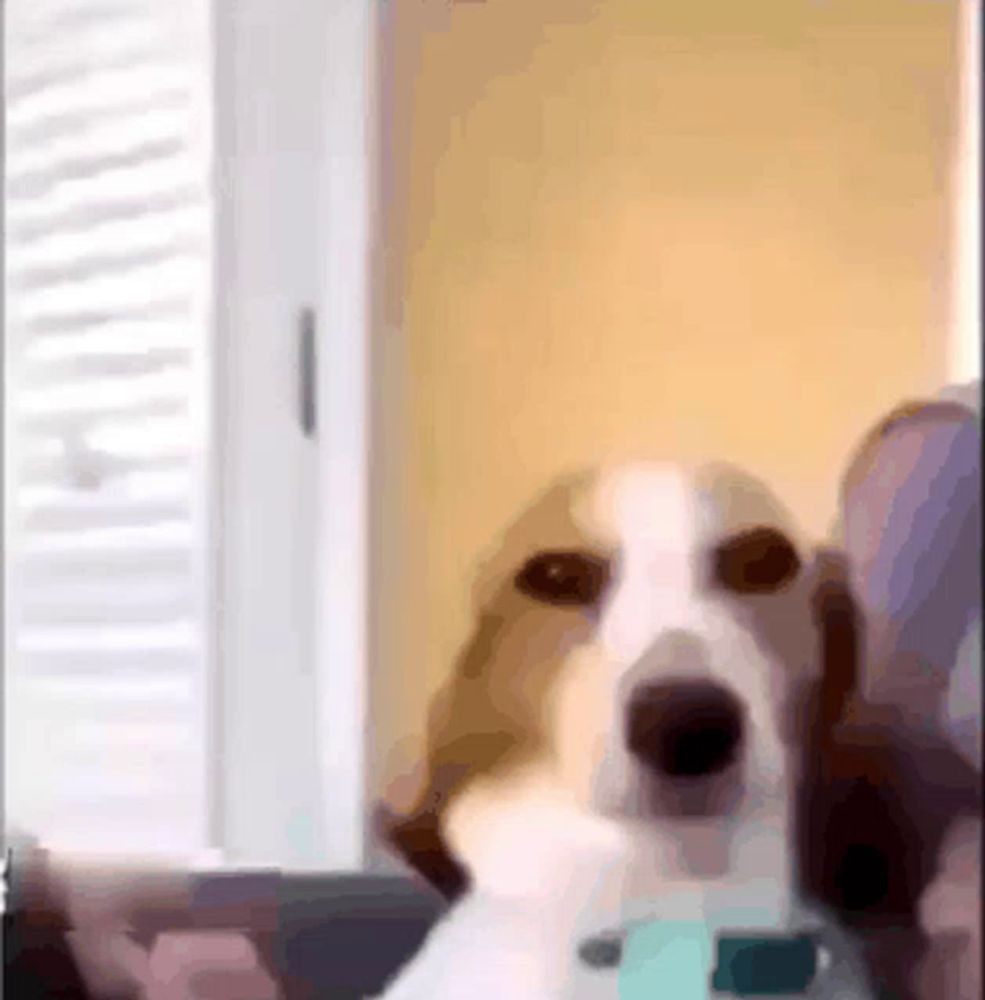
(334, 257)
(344, 374)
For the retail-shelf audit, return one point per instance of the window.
(108, 290)
(187, 568)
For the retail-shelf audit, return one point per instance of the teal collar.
(747, 964)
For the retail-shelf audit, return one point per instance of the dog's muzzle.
(684, 730)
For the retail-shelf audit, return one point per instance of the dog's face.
(676, 706)
(642, 636)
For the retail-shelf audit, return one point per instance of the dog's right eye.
(575, 579)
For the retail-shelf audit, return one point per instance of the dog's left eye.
(759, 561)
(568, 578)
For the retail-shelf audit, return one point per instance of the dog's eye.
(569, 578)
(755, 562)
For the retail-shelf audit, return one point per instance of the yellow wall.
(695, 227)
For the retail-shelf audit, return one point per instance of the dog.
(625, 726)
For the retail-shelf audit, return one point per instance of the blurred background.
(305, 299)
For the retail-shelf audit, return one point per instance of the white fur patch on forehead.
(652, 518)
(662, 519)
(646, 502)
(674, 504)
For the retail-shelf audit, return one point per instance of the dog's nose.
(683, 729)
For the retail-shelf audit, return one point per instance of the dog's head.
(643, 637)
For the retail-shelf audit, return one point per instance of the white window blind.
(108, 290)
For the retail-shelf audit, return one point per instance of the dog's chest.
(524, 950)
(535, 950)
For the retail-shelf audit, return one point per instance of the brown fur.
(488, 717)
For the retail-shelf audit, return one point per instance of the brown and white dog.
(625, 723)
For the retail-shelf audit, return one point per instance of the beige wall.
(642, 226)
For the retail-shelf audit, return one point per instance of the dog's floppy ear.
(419, 841)
(487, 719)
(823, 697)
(414, 829)
(468, 734)
(839, 625)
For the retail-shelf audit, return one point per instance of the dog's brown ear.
(458, 750)
(408, 823)
(418, 840)
(415, 830)
(840, 627)
(469, 733)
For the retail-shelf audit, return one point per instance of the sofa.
(327, 935)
